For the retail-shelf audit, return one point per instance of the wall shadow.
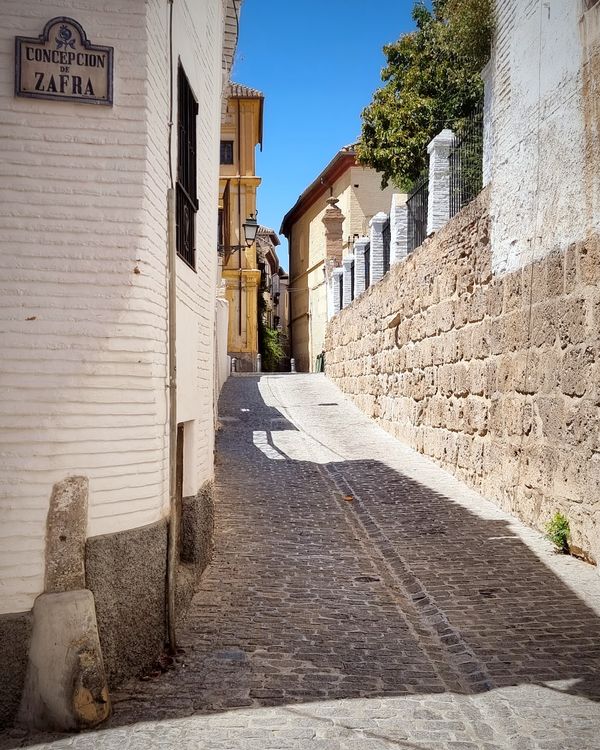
(395, 591)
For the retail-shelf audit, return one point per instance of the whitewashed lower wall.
(222, 360)
(545, 81)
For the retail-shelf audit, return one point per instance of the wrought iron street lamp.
(250, 227)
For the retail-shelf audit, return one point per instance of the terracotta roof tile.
(240, 91)
(268, 232)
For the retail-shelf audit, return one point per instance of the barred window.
(226, 152)
(187, 200)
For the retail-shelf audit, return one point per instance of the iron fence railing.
(466, 161)
(352, 280)
(341, 289)
(367, 264)
(387, 238)
(416, 205)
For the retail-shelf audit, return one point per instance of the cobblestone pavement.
(361, 598)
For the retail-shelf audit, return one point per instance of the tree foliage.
(271, 348)
(432, 81)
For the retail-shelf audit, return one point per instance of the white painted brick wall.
(198, 40)
(359, 265)
(329, 294)
(376, 268)
(83, 279)
(337, 301)
(347, 273)
(438, 205)
(544, 159)
(398, 228)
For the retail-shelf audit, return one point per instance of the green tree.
(432, 81)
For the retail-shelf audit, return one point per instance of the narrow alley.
(360, 597)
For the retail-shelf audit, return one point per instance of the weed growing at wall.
(558, 532)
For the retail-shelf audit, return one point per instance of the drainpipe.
(173, 540)
(173, 536)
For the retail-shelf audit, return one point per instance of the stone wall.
(495, 378)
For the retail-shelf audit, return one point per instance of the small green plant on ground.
(558, 532)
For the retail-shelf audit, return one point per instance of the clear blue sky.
(317, 63)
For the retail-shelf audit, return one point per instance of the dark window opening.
(224, 222)
(221, 234)
(187, 200)
(387, 241)
(226, 152)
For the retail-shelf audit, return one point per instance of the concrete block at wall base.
(65, 687)
(126, 572)
(15, 635)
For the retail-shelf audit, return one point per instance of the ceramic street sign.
(62, 63)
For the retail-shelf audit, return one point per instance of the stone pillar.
(347, 271)
(376, 225)
(333, 220)
(329, 286)
(359, 265)
(337, 302)
(398, 228)
(438, 209)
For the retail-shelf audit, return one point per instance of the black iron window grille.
(226, 152)
(187, 201)
(387, 239)
(416, 205)
(221, 229)
(367, 265)
(466, 161)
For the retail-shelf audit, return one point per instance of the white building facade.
(85, 309)
(542, 145)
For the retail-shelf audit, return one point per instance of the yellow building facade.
(241, 132)
(359, 197)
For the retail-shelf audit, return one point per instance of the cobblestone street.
(362, 598)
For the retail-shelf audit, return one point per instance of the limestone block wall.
(495, 378)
